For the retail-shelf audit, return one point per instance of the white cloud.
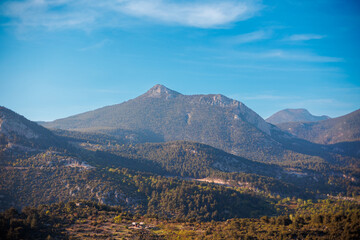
(265, 97)
(304, 37)
(55, 14)
(224, 54)
(58, 14)
(249, 37)
(205, 14)
(96, 45)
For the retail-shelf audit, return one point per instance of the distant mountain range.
(335, 130)
(294, 115)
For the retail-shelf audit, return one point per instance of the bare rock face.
(218, 100)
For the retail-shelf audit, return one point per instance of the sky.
(61, 57)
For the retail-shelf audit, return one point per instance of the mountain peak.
(160, 91)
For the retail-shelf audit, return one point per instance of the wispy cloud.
(297, 56)
(56, 14)
(288, 55)
(294, 55)
(265, 97)
(96, 45)
(248, 37)
(304, 37)
(60, 14)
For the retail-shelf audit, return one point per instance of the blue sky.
(61, 57)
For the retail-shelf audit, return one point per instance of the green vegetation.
(88, 220)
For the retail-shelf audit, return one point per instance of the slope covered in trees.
(90, 220)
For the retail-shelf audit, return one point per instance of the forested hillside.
(89, 220)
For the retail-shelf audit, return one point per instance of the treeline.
(49, 180)
(323, 220)
(49, 221)
(195, 160)
(193, 201)
(317, 226)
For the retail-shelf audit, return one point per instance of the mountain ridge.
(335, 130)
(211, 119)
(294, 115)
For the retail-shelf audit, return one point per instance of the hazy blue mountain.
(294, 115)
(335, 130)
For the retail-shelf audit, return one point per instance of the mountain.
(330, 131)
(18, 132)
(294, 115)
(170, 116)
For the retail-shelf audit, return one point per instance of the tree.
(34, 223)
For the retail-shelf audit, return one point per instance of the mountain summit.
(160, 91)
(294, 115)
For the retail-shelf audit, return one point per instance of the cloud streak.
(297, 56)
(61, 14)
(288, 55)
(266, 97)
(249, 37)
(96, 45)
(304, 37)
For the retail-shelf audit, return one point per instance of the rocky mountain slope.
(18, 132)
(167, 115)
(294, 115)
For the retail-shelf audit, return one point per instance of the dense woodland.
(88, 220)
